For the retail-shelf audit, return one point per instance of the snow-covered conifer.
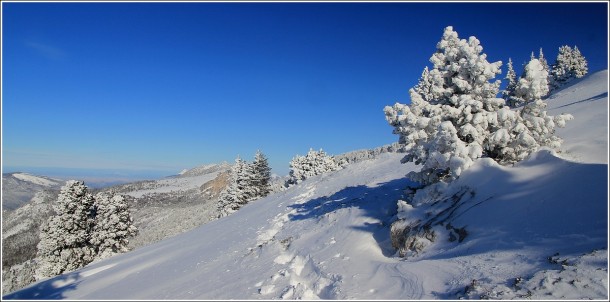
(262, 174)
(580, 67)
(531, 127)
(64, 239)
(570, 64)
(231, 198)
(543, 61)
(113, 225)
(424, 85)
(446, 133)
(534, 85)
(464, 120)
(314, 163)
(508, 94)
(246, 183)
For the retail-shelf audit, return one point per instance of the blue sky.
(148, 89)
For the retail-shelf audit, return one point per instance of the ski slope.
(536, 230)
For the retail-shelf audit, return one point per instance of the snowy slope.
(536, 230)
(19, 188)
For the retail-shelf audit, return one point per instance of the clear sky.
(149, 89)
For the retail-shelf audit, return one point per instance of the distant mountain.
(19, 188)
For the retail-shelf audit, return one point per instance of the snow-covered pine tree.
(580, 68)
(464, 121)
(545, 66)
(246, 183)
(508, 94)
(314, 163)
(530, 128)
(534, 85)
(113, 225)
(64, 239)
(262, 174)
(543, 61)
(540, 125)
(570, 64)
(424, 85)
(448, 132)
(230, 199)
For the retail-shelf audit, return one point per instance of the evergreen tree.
(545, 66)
(532, 127)
(543, 61)
(231, 198)
(580, 68)
(570, 64)
(314, 163)
(424, 85)
(464, 120)
(113, 225)
(534, 85)
(246, 183)
(508, 94)
(448, 132)
(262, 174)
(64, 239)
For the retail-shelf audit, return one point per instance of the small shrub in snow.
(314, 163)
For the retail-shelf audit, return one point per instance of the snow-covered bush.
(314, 163)
(64, 239)
(113, 225)
(570, 64)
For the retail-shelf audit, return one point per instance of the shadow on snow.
(50, 289)
(377, 202)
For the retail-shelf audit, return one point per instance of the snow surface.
(536, 230)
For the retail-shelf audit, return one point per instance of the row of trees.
(84, 228)
(455, 117)
(313, 163)
(247, 182)
(570, 64)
